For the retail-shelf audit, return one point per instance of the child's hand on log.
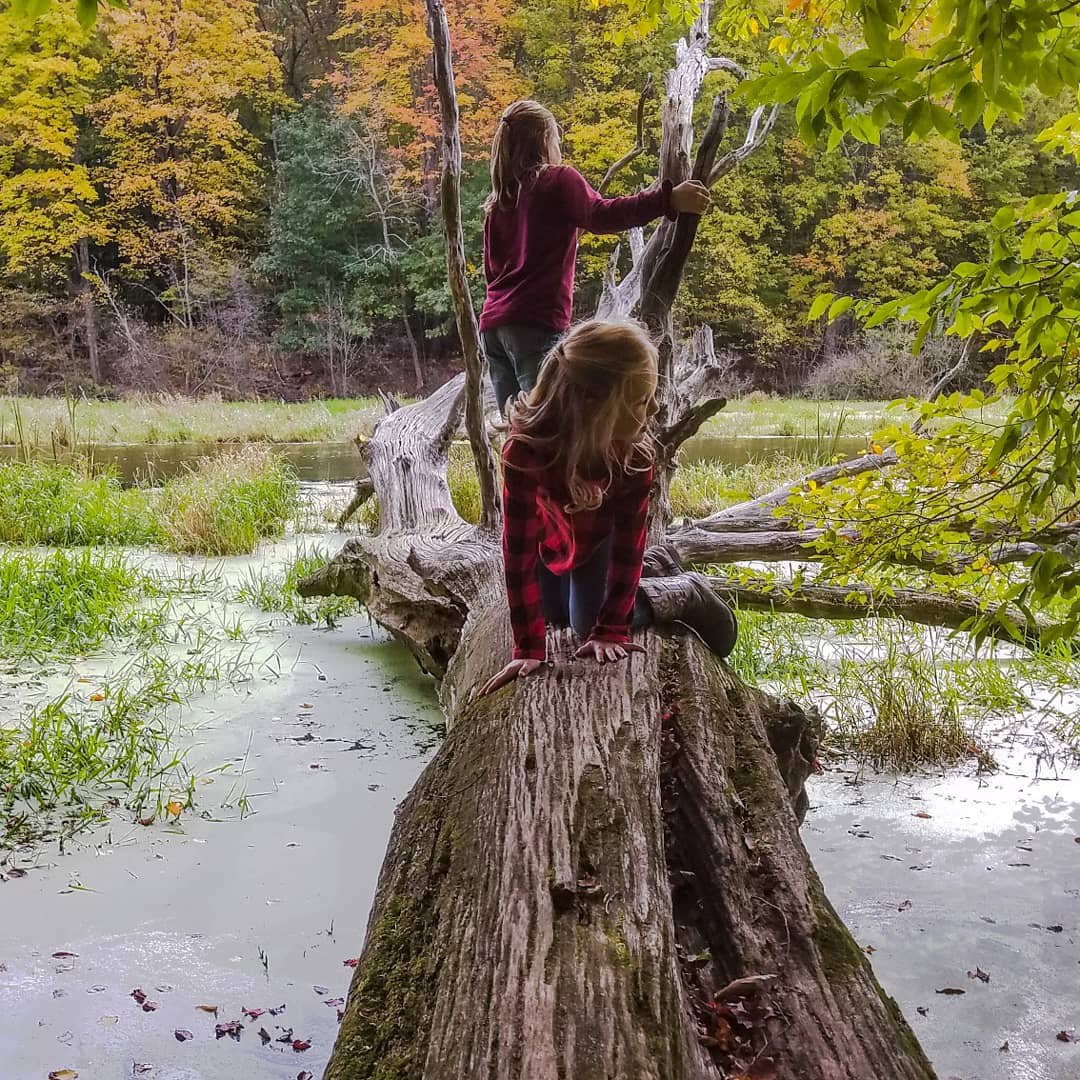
(606, 652)
(514, 670)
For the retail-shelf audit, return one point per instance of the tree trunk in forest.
(594, 854)
(89, 311)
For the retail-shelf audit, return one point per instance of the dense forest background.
(236, 197)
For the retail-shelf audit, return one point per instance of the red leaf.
(149, 1006)
(352, 963)
(234, 1029)
(182, 1035)
(869, 950)
(63, 955)
(138, 995)
(1066, 1036)
(300, 1045)
(922, 814)
(253, 1014)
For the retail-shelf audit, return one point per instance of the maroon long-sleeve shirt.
(530, 248)
(536, 526)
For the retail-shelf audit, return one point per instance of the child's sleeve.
(521, 542)
(631, 526)
(589, 210)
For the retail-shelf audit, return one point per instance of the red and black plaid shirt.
(536, 525)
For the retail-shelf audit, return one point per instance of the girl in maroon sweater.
(534, 214)
(578, 469)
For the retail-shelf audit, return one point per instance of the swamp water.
(258, 897)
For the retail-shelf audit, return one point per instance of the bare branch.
(639, 145)
(756, 133)
(860, 602)
(688, 424)
(945, 379)
(722, 63)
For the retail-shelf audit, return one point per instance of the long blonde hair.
(580, 414)
(526, 141)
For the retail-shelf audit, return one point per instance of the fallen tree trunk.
(595, 855)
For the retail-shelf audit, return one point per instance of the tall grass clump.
(69, 602)
(899, 711)
(227, 504)
(276, 591)
(68, 505)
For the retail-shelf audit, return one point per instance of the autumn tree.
(183, 119)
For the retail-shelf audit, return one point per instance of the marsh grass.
(70, 505)
(65, 602)
(42, 424)
(276, 591)
(69, 761)
(227, 504)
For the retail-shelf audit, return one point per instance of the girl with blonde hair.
(578, 470)
(536, 209)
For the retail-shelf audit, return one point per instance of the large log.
(595, 857)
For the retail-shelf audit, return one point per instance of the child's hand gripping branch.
(578, 470)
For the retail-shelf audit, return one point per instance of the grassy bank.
(223, 506)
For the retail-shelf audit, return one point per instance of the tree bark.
(595, 854)
(89, 311)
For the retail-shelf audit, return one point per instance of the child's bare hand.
(606, 652)
(691, 197)
(516, 669)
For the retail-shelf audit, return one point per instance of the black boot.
(662, 560)
(688, 599)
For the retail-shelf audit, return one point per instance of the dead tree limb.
(639, 143)
(450, 194)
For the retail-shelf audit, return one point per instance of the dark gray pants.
(575, 599)
(514, 353)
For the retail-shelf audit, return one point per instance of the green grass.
(50, 423)
(228, 504)
(65, 505)
(223, 506)
(69, 602)
(275, 591)
(66, 763)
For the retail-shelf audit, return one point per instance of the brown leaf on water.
(140, 1067)
(63, 1074)
(869, 950)
(63, 955)
(334, 1002)
(320, 990)
(352, 963)
(300, 1045)
(139, 995)
(1066, 1036)
(305, 1075)
(182, 1035)
(950, 990)
(1004, 1047)
(211, 1009)
(922, 1010)
(904, 905)
(233, 1028)
(14, 872)
(978, 973)
(253, 1014)
(278, 1011)
(922, 814)
(148, 820)
(149, 1006)
(265, 1036)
